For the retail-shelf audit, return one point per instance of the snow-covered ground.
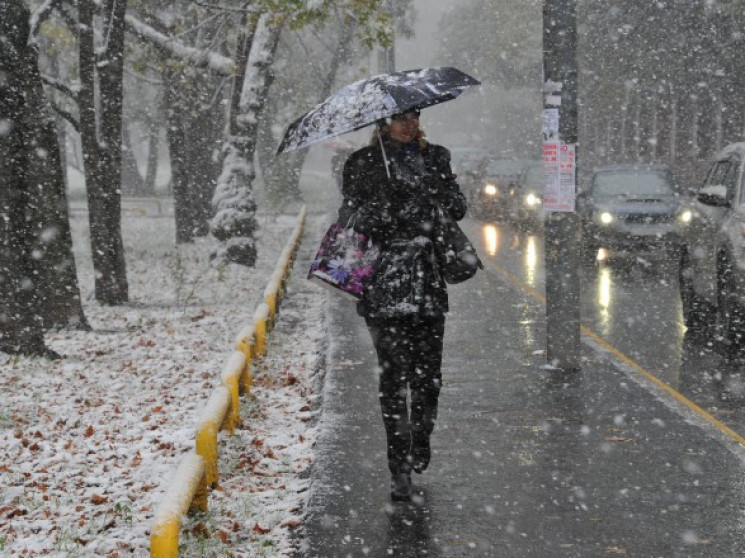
(88, 443)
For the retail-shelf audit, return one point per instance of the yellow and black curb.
(197, 472)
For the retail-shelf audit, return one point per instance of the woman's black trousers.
(409, 356)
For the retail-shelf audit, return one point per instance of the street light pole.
(560, 156)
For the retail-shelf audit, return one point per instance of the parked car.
(492, 190)
(712, 258)
(632, 209)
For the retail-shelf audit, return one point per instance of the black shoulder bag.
(456, 257)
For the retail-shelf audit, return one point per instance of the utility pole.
(560, 156)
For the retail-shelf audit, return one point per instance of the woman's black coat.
(401, 216)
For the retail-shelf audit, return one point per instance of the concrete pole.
(673, 150)
(562, 240)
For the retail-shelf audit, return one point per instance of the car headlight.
(490, 190)
(606, 218)
(685, 216)
(532, 199)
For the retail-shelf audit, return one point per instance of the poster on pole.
(559, 166)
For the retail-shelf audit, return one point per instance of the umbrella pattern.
(364, 102)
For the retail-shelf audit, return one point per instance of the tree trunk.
(111, 86)
(132, 181)
(177, 153)
(38, 283)
(194, 131)
(234, 223)
(153, 145)
(202, 142)
(102, 162)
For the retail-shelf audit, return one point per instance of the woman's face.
(404, 128)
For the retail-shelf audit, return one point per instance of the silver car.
(712, 265)
(631, 209)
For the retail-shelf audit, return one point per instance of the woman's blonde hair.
(421, 136)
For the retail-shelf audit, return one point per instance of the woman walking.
(394, 190)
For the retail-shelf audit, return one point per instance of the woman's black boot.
(401, 487)
(420, 452)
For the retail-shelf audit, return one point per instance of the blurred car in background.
(712, 255)
(467, 159)
(529, 206)
(634, 209)
(492, 190)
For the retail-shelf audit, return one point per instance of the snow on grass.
(88, 443)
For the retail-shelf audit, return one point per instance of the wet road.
(528, 461)
(634, 305)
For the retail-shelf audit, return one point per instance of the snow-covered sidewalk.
(88, 443)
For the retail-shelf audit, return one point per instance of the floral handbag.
(345, 261)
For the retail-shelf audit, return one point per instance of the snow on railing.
(210, 423)
(231, 376)
(186, 493)
(198, 471)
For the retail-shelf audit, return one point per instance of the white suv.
(712, 265)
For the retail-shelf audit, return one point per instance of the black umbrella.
(367, 101)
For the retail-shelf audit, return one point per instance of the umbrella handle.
(382, 150)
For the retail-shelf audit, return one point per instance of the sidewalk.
(527, 461)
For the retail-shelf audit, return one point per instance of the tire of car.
(696, 312)
(730, 316)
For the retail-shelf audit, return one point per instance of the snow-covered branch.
(142, 77)
(66, 115)
(59, 86)
(230, 9)
(200, 58)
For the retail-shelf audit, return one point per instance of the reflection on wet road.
(634, 305)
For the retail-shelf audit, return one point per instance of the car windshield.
(633, 184)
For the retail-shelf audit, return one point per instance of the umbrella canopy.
(364, 102)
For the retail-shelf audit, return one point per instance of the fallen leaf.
(260, 530)
(292, 523)
(88, 432)
(97, 499)
(200, 531)
(289, 380)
